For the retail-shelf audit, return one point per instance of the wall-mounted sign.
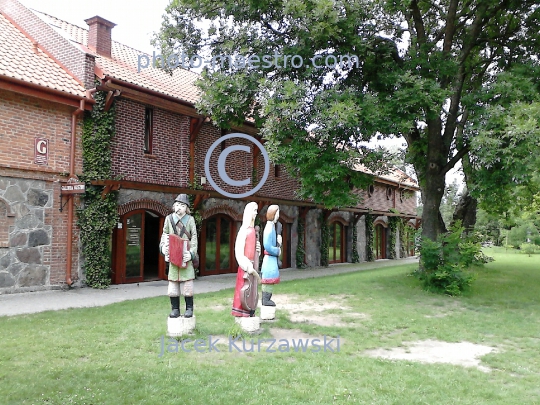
(134, 236)
(72, 188)
(41, 151)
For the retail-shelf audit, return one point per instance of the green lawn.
(110, 355)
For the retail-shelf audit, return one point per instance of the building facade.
(158, 151)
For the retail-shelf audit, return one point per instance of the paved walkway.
(31, 302)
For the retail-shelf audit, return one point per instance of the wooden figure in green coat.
(180, 279)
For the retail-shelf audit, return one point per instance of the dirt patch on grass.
(445, 309)
(464, 354)
(332, 311)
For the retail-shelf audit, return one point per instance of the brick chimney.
(99, 35)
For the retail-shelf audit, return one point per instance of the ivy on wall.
(325, 241)
(403, 238)
(196, 212)
(355, 255)
(300, 252)
(393, 224)
(97, 216)
(370, 238)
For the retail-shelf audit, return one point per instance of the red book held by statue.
(177, 247)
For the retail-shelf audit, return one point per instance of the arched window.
(380, 241)
(337, 243)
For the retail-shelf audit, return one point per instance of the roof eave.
(43, 92)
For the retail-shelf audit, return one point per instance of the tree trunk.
(466, 211)
(432, 192)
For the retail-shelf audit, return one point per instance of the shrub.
(445, 263)
(528, 248)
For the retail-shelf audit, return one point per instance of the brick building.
(155, 124)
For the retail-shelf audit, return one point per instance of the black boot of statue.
(266, 301)
(175, 305)
(189, 307)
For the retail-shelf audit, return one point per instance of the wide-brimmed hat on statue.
(183, 198)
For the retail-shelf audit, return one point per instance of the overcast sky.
(135, 20)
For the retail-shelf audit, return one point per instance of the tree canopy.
(422, 70)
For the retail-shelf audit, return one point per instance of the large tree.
(422, 66)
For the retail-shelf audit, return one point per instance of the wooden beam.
(156, 101)
(44, 93)
(326, 214)
(111, 95)
(198, 200)
(195, 127)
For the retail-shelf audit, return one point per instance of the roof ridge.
(56, 18)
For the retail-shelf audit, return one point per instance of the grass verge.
(111, 355)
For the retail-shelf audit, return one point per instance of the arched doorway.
(337, 243)
(217, 245)
(380, 241)
(136, 242)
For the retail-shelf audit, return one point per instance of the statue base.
(268, 313)
(180, 326)
(249, 325)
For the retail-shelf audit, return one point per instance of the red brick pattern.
(380, 200)
(144, 204)
(169, 162)
(281, 187)
(22, 119)
(222, 209)
(239, 164)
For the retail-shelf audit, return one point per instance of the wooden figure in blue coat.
(272, 251)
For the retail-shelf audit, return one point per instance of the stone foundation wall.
(25, 248)
(361, 238)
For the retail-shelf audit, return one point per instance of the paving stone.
(38, 238)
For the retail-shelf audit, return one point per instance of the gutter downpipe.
(69, 260)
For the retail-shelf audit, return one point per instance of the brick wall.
(382, 200)
(71, 57)
(282, 186)
(22, 119)
(33, 191)
(238, 164)
(169, 162)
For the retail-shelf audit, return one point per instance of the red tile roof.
(21, 59)
(124, 61)
(393, 174)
